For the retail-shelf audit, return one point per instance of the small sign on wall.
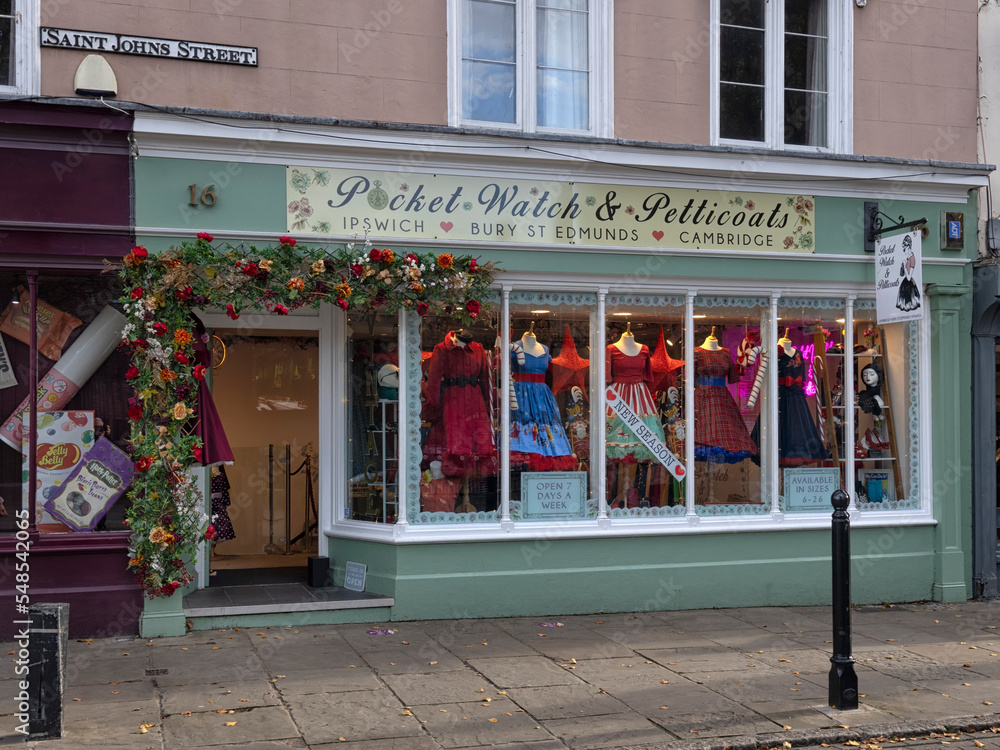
(354, 576)
(809, 490)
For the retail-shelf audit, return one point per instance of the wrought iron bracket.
(875, 228)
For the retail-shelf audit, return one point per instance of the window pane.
(805, 63)
(550, 420)
(730, 445)
(488, 32)
(743, 13)
(805, 17)
(373, 418)
(563, 99)
(742, 56)
(6, 50)
(562, 40)
(644, 367)
(460, 462)
(741, 112)
(805, 118)
(564, 4)
(488, 92)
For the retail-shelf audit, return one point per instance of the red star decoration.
(569, 368)
(664, 366)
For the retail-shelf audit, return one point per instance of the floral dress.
(719, 433)
(537, 438)
(630, 378)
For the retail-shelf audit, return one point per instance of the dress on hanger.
(719, 433)
(537, 438)
(220, 509)
(459, 382)
(799, 441)
(630, 378)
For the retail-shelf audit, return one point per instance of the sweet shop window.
(373, 417)
(549, 395)
(645, 424)
(731, 424)
(459, 420)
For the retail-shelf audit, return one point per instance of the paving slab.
(616, 730)
(400, 743)
(411, 661)
(476, 724)
(90, 696)
(752, 686)
(638, 670)
(523, 671)
(566, 701)
(705, 660)
(99, 666)
(363, 715)
(207, 729)
(176, 699)
(582, 646)
(305, 682)
(205, 665)
(445, 687)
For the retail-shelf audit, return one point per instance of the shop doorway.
(266, 389)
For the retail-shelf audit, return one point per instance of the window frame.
(840, 82)
(27, 50)
(600, 42)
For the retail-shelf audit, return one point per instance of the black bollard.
(47, 671)
(843, 680)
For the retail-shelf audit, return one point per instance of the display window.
(643, 373)
(459, 420)
(581, 406)
(548, 396)
(732, 427)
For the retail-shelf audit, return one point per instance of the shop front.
(65, 207)
(684, 353)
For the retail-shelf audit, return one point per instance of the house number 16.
(207, 196)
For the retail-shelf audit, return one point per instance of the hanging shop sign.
(553, 495)
(130, 44)
(898, 279)
(413, 206)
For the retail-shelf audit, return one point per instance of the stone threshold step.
(228, 601)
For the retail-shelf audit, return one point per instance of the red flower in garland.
(422, 309)
(281, 309)
(210, 532)
(357, 270)
(412, 259)
(473, 307)
(143, 463)
(197, 451)
(132, 373)
(135, 413)
(184, 293)
(199, 372)
(290, 241)
(139, 252)
(182, 358)
(250, 269)
(231, 312)
(375, 254)
(159, 328)
(472, 265)
(136, 293)
(342, 304)
(205, 236)
(140, 344)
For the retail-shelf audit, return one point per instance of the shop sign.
(412, 206)
(809, 490)
(553, 495)
(130, 44)
(354, 576)
(899, 281)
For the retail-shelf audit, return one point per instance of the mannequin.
(626, 344)
(786, 343)
(870, 399)
(711, 343)
(529, 344)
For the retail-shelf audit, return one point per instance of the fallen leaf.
(244, 700)
(230, 723)
(143, 730)
(786, 727)
(987, 703)
(280, 676)
(891, 640)
(407, 713)
(481, 690)
(664, 708)
(493, 721)
(501, 692)
(114, 692)
(442, 710)
(432, 663)
(185, 713)
(664, 682)
(78, 699)
(786, 660)
(977, 743)
(573, 661)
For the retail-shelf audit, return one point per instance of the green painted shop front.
(732, 539)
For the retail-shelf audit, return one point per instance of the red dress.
(458, 388)
(719, 432)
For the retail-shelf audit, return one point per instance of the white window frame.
(27, 46)
(600, 43)
(840, 82)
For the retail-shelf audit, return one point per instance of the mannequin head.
(871, 377)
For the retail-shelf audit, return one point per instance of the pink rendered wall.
(914, 83)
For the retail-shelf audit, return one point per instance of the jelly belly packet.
(54, 325)
(104, 473)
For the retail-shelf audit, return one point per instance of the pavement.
(703, 679)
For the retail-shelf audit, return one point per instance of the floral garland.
(167, 516)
